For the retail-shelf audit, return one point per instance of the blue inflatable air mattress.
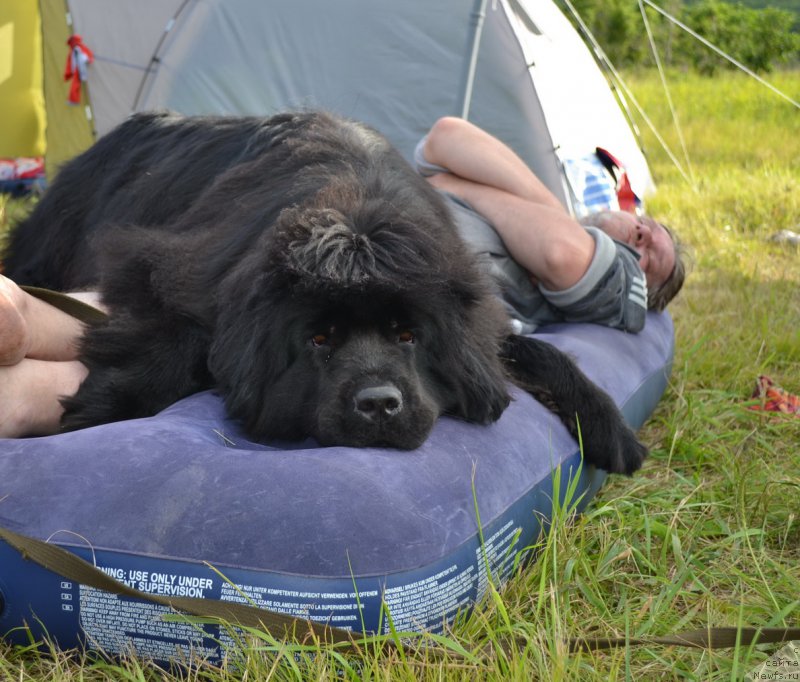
(325, 533)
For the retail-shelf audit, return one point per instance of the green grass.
(708, 533)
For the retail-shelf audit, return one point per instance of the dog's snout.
(376, 402)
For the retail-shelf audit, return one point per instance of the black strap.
(71, 306)
(68, 565)
(710, 638)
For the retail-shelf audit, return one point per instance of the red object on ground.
(773, 398)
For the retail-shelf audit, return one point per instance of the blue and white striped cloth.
(591, 186)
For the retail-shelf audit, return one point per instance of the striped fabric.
(591, 186)
(638, 292)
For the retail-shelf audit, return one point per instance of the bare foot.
(14, 338)
(30, 392)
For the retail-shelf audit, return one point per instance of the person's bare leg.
(32, 328)
(13, 327)
(473, 154)
(30, 392)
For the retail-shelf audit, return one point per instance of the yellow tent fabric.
(70, 129)
(22, 115)
(35, 118)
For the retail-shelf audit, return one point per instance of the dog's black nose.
(375, 402)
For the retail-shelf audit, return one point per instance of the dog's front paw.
(617, 450)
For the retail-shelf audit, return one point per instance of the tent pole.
(478, 16)
(154, 57)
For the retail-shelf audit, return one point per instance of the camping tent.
(515, 67)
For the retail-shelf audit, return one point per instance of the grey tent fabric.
(395, 65)
(123, 36)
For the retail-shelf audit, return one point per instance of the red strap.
(71, 70)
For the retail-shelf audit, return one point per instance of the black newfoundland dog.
(299, 265)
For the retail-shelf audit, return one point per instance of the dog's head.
(358, 327)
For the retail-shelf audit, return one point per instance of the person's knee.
(443, 133)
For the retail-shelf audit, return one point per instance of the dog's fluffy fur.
(300, 266)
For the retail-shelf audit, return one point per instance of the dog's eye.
(402, 335)
(324, 338)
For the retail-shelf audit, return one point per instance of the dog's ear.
(252, 346)
(260, 332)
(479, 391)
(467, 365)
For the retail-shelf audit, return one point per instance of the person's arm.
(582, 272)
(545, 241)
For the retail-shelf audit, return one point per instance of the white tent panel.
(580, 108)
